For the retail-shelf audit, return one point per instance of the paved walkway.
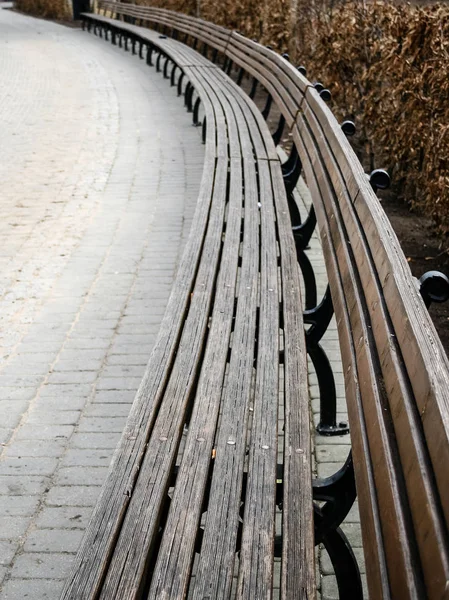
(99, 169)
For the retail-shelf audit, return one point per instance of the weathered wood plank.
(422, 352)
(422, 494)
(216, 562)
(257, 549)
(140, 526)
(172, 571)
(398, 536)
(298, 554)
(375, 560)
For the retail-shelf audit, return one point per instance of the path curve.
(99, 169)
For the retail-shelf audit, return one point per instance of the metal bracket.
(266, 110)
(338, 492)
(277, 135)
(303, 233)
(434, 287)
(319, 319)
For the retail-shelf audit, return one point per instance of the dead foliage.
(49, 9)
(387, 66)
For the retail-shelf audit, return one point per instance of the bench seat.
(203, 509)
(189, 506)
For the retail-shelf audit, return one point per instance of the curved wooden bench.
(396, 371)
(214, 372)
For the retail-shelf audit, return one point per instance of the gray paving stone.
(20, 506)
(53, 540)
(64, 517)
(63, 402)
(47, 418)
(89, 457)
(107, 410)
(37, 589)
(118, 383)
(85, 475)
(27, 466)
(95, 440)
(13, 527)
(38, 565)
(12, 393)
(331, 453)
(73, 495)
(44, 432)
(24, 485)
(102, 424)
(114, 396)
(68, 377)
(8, 548)
(60, 390)
(127, 359)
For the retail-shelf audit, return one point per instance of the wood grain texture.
(216, 562)
(133, 547)
(257, 546)
(426, 362)
(376, 568)
(422, 495)
(398, 536)
(298, 555)
(172, 571)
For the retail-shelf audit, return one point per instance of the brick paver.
(99, 169)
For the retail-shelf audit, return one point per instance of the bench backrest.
(396, 371)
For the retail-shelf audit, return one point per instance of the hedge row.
(387, 66)
(49, 9)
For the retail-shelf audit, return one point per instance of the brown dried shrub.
(49, 9)
(387, 67)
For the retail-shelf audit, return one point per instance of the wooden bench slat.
(216, 562)
(377, 573)
(393, 504)
(289, 74)
(140, 526)
(262, 140)
(298, 555)
(257, 549)
(213, 35)
(415, 462)
(244, 117)
(287, 80)
(423, 354)
(172, 571)
(268, 80)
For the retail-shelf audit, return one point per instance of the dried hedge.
(387, 66)
(49, 9)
